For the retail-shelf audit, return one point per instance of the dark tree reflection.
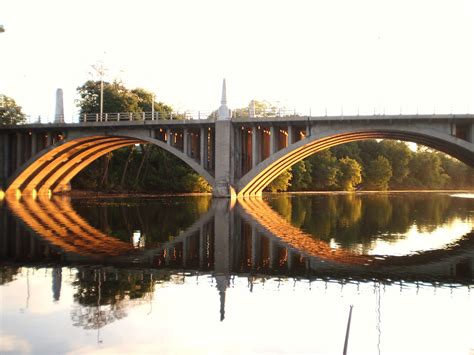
(104, 296)
(351, 219)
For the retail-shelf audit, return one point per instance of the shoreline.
(77, 194)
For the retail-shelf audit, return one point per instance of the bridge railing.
(147, 116)
(271, 112)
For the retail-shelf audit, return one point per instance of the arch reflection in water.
(250, 237)
(268, 244)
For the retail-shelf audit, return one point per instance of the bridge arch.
(53, 168)
(254, 181)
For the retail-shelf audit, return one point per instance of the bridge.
(238, 155)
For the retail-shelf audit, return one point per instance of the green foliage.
(301, 176)
(117, 98)
(10, 112)
(426, 171)
(324, 168)
(460, 175)
(136, 168)
(384, 164)
(161, 172)
(378, 174)
(262, 109)
(281, 182)
(358, 220)
(399, 156)
(349, 174)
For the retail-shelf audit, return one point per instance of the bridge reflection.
(248, 238)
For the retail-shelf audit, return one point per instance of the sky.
(341, 56)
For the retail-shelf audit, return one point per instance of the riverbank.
(77, 194)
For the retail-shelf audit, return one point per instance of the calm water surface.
(177, 275)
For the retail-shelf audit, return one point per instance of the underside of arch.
(253, 183)
(53, 168)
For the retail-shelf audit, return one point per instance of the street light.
(100, 69)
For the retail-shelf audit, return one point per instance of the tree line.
(375, 165)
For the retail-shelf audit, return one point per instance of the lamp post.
(100, 69)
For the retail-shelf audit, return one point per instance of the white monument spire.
(223, 113)
(59, 112)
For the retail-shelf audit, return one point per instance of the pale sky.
(387, 55)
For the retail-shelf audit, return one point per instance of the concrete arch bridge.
(235, 155)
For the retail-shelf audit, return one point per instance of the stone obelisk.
(59, 112)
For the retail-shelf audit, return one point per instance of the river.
(277, 275)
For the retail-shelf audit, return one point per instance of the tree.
(117, 98)
(10, 112)
(426, 171)
(378, 174)
(301, 175)
(262, 109)
(146, 100)
(349, 174)
(324, 170)
(281, 182)
(399, 156)
(138, 168)
(461, 175)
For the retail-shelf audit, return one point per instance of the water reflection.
(361, 222)
(110, 257)
(329, 235)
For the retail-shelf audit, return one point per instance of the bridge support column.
(168, 136)
(34, 143)
(203, 147)
(49, 139)
(291, 135)
(223, 160)
(273, 140)
(255, 147)
(19, 150)
(185, 142)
